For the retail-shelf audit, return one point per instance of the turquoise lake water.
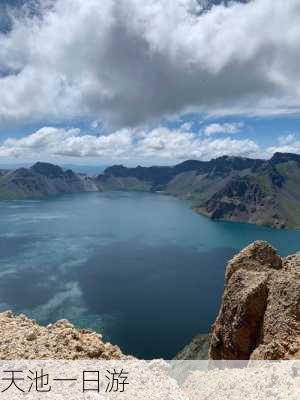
(143, 269)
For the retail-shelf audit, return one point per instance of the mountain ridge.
(42, 180)
(265, 192)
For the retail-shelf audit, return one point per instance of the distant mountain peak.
(230, 188)
(48, 170)
(284, 157)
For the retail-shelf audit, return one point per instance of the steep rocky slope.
(42, 180)
(260, 313)
(227, 188)
(22, 338)
(269, 195)
(190, 179)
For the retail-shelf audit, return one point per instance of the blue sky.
(152, 82)
(263, 130)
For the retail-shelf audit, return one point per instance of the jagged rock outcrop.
(260, 312)
(22, 338)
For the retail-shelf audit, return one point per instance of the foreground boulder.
(260, 312)
(22, 338)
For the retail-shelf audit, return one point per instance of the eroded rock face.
(22, 338)
(260, 313)
(263, 192)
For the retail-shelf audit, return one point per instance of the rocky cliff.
(227, 188)
(260, 312)
(22, 338)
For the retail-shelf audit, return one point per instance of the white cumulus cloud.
(159, 145)
(286, 144)
(228, 128)
(126, 62)
(71, 142)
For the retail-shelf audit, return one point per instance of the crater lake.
(142, 269)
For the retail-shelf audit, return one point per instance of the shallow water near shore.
(143, 269)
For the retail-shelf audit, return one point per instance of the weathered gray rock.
(22, 338)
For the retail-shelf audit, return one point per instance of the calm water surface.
(141, 268)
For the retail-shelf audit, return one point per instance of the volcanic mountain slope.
(268, 195)
(190, 179)
(42, 180)
(228, 188)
